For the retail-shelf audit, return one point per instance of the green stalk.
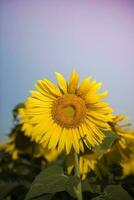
(77, 173)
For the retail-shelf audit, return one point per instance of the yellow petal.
(103, 95)
(42, 127)
(62, 82)
(87, 131)
(99, 123)
(48, 86)
(83, 135)
(127, 134)
(45, 139)
(62, 140)
(42, 96)
(75, 140)
(96, 134)
(80, 140)
(85, 167)
(50, 155)
(81, 165)
(55, 136)
(96, 87)
(73, 83)
(68, 141)
(91, 98)
(84, 87)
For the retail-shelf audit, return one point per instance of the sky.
(37, 38)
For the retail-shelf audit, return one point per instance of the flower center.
(69, 111)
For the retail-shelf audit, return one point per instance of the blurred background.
(40, 37)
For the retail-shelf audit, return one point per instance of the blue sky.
(40, 37)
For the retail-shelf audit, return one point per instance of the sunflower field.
(66, 143)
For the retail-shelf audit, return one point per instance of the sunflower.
(122, 129)
(122, 148)
(11, 147)
(125, 137)
(66, 116)
(18, 144)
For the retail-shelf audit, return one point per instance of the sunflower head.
(122, 148)
(122, 129)
(18, 143)
(122, 145)
(67, 115)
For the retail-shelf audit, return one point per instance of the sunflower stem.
(77, 173)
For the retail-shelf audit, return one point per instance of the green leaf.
(52, 170)
(51, 180)
(108, 141)
(15, 110)
(44, 197)
(117, 191)
(6, 188)
(114, 192)
(71, 184)
(91, 187)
